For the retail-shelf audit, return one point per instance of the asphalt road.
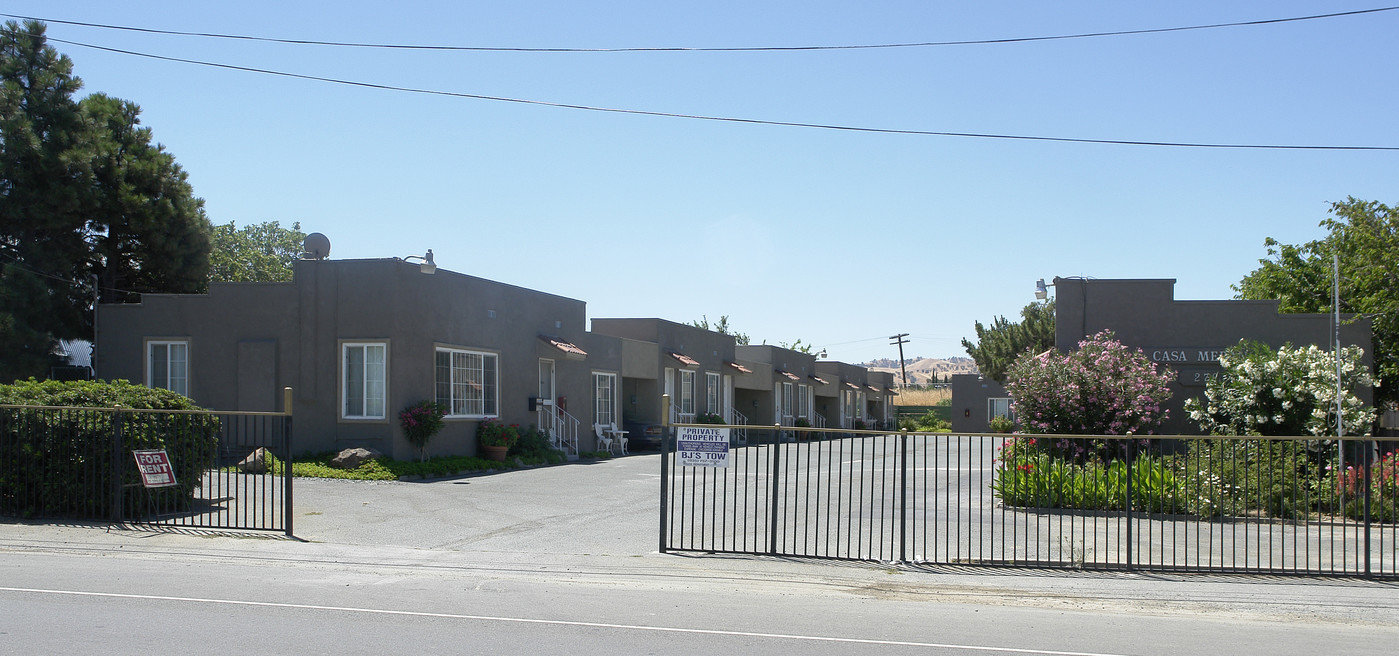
(564, 559)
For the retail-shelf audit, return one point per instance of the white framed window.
(999, 407)
(711, 393)
(364, 380)
(167, 366)
(687, 392)
(804, 401)
(467, 382)
(786, 401)
(604, 398)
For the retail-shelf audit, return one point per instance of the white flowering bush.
(1291, 391)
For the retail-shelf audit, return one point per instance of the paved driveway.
(606, 507)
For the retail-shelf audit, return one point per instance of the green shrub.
(387, 469)
(1211, 478)
(708, 418)
(1001, 424)
(1039, 480)
(1276, 478)
(534, 445)
(57, 462)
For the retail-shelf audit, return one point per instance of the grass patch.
(937, 396)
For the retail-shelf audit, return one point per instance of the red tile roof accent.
(872, 388)
(567, 348)
(851, 385)
(892, 391)
(685, 359)
(789, 375)
(739, 367)
(817, 379)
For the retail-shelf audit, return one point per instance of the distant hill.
(922, 370)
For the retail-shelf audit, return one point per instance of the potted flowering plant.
(802, 422)
(495, 438)
(420, 422)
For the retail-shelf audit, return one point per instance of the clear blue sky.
(836, 238)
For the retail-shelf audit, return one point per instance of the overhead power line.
(722, 119)
(870, 46)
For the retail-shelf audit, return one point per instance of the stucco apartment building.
(1184, 335)
(359, 340)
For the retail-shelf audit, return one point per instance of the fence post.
(1369, 450)
(1131, 455)
(903, 495)
(776, 483)
(115, 468)
(665, 467)
(287, 514)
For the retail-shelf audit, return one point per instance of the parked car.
(643, 435)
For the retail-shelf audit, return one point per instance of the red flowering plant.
(493, 433)
(420, 422)
(1384, 489)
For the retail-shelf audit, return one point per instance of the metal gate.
(231, 470)
(933, 499)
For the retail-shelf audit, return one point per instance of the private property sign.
(155, 468)
(703, 447)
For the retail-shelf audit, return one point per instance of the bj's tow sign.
(702, 447)
(155, 468)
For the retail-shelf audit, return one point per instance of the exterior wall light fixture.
(428, 266)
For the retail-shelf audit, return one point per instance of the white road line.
(526, 620)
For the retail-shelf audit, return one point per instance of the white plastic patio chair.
(604, 441)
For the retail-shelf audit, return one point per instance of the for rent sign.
(703, 447)
(155, 468)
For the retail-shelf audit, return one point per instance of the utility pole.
(899, 339)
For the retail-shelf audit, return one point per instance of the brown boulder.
(352, 458)
(255, 463)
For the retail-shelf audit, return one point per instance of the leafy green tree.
(998, 347)
(1365, 234)
(260, 252)
(83, 193)
(44, 197)
(722, 327)
(798, 346)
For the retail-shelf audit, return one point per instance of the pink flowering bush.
(1103, 388)
(420, 422)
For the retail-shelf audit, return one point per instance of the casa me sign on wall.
(1194, 365)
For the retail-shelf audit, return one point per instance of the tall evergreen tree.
(997, 347)
(83, 192)
(147, 230)
(43, 198)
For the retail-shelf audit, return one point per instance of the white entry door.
(546, 381)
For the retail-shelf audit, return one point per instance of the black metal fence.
(228, 468)
(1291, 505)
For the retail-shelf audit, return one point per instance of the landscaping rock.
(352, 458)
(255, 463)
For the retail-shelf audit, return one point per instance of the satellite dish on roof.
(316, 246)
